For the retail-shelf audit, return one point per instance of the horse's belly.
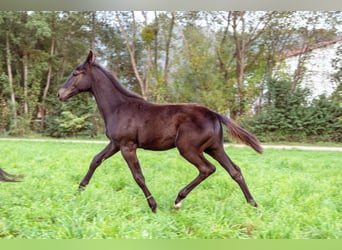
(157, 143)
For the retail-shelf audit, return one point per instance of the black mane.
(117, 83)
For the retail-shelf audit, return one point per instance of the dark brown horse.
(132, 122)
(6, 177)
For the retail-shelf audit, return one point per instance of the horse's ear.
(91, 58)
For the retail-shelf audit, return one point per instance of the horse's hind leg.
(6, 177)
(107, 152)
(204, 167)
(220, 155)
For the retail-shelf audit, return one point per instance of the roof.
(308, 48)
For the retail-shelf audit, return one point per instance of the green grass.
(298, 192)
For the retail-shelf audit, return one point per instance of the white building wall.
(318, 69)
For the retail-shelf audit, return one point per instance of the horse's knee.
(208, 170)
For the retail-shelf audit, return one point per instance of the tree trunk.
(299, 72)
(149, 58)
(25, 74)
(167, 49)
(224, 62)
(240, 50)
(155, 32)
(47, 86)
(10, 81)
(131, 51)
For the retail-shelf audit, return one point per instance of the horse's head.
(79, 80)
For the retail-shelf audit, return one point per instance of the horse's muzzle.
(63, 94)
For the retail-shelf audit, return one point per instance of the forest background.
(229, 61)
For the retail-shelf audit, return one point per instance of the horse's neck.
(108, 97)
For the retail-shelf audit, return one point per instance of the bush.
(287, 116)
(78, 117)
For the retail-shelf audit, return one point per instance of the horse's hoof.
(178, 205)
(154, 209)
(253, 203)
(81, 189)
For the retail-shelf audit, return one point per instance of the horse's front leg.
(129, 154)
(107, 152)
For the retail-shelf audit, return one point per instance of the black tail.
(6, 177)
(241, 134)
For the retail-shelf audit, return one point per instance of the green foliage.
(196, 78)
(78, 117)
(4, 121)
(148, 34)
(287, 184)
(70, 124)
(287, 115)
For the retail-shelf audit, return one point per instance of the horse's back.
(159, 126)
(165, 124)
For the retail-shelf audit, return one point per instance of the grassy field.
(298, 192)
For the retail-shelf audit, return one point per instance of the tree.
(65, 28)
(167, 48)
(337, 76)
(8, 23)
(247, 48)
(52, 19)
(73, 36)
(131, 43)
(158, 37)
(195, 78)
